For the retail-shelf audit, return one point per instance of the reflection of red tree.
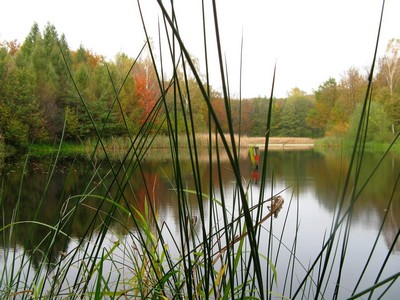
(145, 194)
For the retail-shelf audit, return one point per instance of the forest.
(40, 103)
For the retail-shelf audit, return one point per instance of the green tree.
(95, 88)
(258, 116)
(319, 117)
(378, 123)
(46, 87)
(5, 61)
(294, 118)
(194, 98)
(41, 57)
(72, 123)
(27, 47)
(128, 113)
(277, 114)
(20, 116)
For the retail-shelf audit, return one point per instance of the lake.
(310, 181)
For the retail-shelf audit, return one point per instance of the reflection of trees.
(327, 173)
(392, 223)
(141, 197)
(167, 197)
(69, 186)
(324, 173)
(295, 167)
(40, 203)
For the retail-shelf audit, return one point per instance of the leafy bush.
(378, 123)
(17, 134)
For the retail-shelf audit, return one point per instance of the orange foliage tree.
(147, 91)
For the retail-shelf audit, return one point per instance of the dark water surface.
(310, 181)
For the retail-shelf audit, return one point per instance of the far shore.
(118, 147)
(245, 142)
(283, 142)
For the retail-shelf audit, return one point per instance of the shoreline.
(286, 143)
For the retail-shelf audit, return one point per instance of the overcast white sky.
(311, 40)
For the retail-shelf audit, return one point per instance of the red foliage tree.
(146, 92)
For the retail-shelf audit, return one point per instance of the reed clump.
(225, 250)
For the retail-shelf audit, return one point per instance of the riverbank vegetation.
(38, 101)
(118, 146)
(230, 248)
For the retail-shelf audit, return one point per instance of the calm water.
(310, 182)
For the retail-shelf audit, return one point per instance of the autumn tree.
(389, 65)
(220, 111)
(243, 116)
(146, 88)
(351, 91)
(37, 96)
(388, 82)
(12, 47)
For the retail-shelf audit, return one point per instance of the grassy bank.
(117, 147)
(334, 142)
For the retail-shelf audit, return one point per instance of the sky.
(308, 40)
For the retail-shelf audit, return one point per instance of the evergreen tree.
(20, 117)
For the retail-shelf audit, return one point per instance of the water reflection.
(317, 178)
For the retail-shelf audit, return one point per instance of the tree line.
(39, 102)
